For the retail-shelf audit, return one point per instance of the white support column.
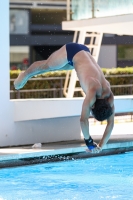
(4, 52)
(4, 57)
(75, 36)
(5, 106)
(68, 10)
(81, 38)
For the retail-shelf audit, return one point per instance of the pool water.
(99, 178)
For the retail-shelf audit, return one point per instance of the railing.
(126, 89)
(57, 90)
(83, 9)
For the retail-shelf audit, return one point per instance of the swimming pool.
(99, 178)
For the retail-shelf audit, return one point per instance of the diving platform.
(119, 24)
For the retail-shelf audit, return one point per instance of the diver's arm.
(85, 114)
(108, 130)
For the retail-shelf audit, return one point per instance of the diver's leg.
(56, 61)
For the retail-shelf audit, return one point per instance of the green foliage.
(116, 80)
(118, 71)
(38, 84)
(15, 73)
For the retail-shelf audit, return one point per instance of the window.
(125, 52)
(19, 21)
(19, 57)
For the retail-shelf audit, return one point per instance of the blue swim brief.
(72, 49)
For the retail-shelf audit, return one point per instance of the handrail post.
(68, 10)
(18, 94)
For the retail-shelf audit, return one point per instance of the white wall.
(108, 56)
(48, 120)
(30, 121)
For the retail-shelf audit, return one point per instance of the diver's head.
(101, 110)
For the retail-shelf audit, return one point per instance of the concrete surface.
(58, 151)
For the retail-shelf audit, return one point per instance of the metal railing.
(83, 9)
(55, 92)
(57, 89)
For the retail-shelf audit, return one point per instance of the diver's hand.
(20, 81)
(90, 144)
(97, 149)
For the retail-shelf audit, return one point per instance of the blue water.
(99, 178)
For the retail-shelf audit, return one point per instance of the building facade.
(36, 32)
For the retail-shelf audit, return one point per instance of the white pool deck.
(121, 140)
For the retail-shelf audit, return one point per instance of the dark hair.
(102, 110)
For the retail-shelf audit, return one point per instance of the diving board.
(119, 24)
